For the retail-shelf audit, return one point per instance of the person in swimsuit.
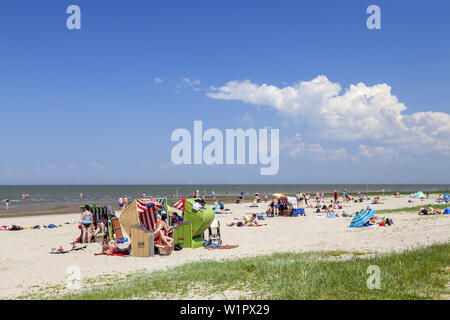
(86, 224)
(121, 202)
(101, 225)
(162, 229)
(110, 248)
(249, 221)
(272, 208)
(429, 211)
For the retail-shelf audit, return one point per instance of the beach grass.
(422, 273)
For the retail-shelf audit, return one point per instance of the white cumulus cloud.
(367, 113)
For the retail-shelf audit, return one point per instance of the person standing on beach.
(7, 203)
(81, 195)
(335, 196)
(213, 195)
(125, 201)
(121, 202)
(346, 195)
(87, 224)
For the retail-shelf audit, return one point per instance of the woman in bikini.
(162, 229)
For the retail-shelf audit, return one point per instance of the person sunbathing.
(331, 212)
(377, 201)
(429, 211)
(383, 222)
(219, 211)
(249, 221)
(111, 248)
(101, 226)
(162, 230)
(254, 222)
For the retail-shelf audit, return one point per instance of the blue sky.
(83, 106)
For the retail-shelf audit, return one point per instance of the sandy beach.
(25, 262)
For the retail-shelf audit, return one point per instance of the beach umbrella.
(361, 218)
(420, 195)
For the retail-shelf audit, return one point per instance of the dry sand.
(25, 262)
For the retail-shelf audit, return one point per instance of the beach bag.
(447, 211)
(177, 247)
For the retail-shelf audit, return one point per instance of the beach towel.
(112, 254)
(362, 218)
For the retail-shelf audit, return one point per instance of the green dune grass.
(414, 209)
(416, 274)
